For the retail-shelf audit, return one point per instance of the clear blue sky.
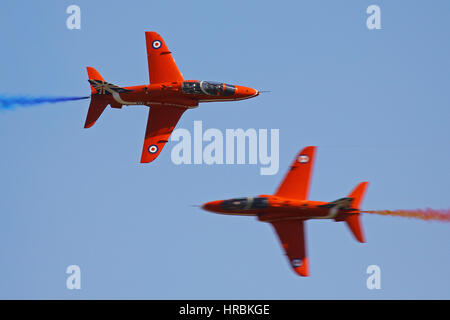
(376, 103)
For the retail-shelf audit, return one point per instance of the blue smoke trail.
(10, 102)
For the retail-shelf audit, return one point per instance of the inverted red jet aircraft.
(289, 208)
(168, 95)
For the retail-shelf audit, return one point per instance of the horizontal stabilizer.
(96, 108)
(354, 223)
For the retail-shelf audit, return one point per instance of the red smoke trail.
(442, 215)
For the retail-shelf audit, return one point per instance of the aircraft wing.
(160, 124)
(297, 180)
(161, 65)
(292, 237)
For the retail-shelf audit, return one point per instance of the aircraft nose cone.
(246, 92)
(252, 92)
(211, 206)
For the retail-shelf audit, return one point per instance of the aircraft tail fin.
(353, 220)
(100, 87)
(93, 75)
(101, 96)
(98, 103)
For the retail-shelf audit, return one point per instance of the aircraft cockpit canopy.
(245, 204)
(210, 88)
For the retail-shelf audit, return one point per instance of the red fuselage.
(270, 208)
(186, 94)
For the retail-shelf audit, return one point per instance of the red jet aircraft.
(289, 208)
(168, 95)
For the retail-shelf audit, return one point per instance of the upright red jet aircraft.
(168, 95)
(289, 208)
